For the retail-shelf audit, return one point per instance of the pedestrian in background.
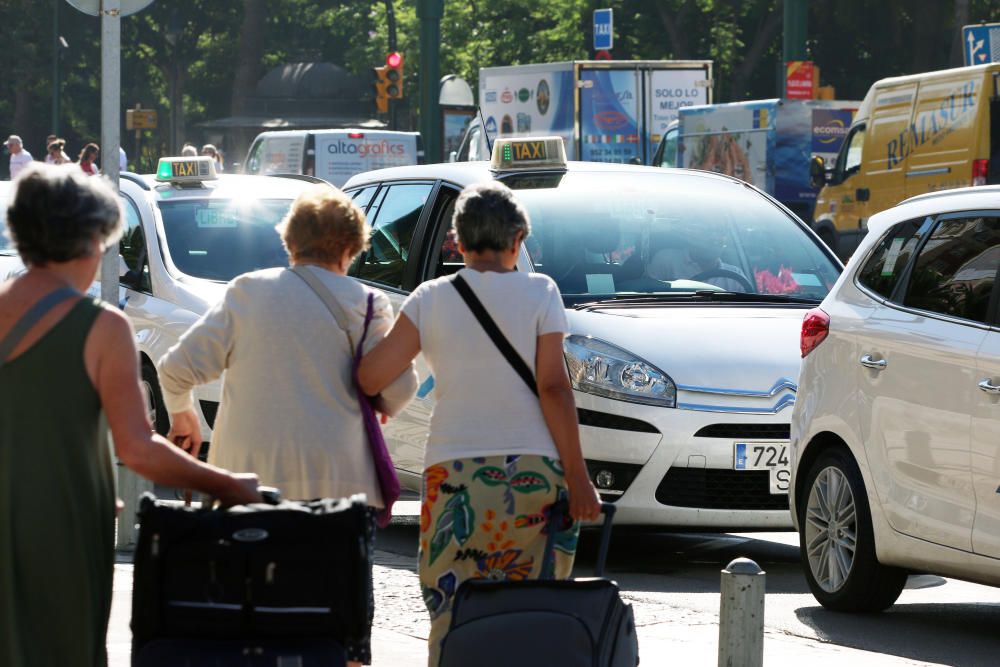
(496, 454)
(188, 150)
(88, 159)
(289, 407)
(67, 362)
(19, 157)
(56, 153)
(211, 151)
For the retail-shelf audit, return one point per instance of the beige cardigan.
(289, 411)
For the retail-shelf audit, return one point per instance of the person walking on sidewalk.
(69, 369)
(497, 455)
(88, 159)
(289, 408)
(19, 157)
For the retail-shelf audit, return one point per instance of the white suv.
(895, 438)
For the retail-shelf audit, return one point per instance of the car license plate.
(770, 456)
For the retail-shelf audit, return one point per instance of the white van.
(333, 155)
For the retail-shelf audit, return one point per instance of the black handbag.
(295, 570)
(570, 623)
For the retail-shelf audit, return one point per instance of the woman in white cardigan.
(289, 411)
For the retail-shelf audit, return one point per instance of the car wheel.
(838, 545)
(826, 236)
(155, 410)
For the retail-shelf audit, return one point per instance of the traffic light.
(381, 85)
(394, 75)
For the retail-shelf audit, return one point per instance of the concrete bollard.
(741, 615)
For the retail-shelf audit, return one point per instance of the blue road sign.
(981, 43)
(604, 34)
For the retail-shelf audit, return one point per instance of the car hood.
(734, 358)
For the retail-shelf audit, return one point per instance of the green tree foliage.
(182, 58)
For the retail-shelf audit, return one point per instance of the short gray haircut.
(488, 217)
(57, 212)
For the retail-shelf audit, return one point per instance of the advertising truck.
(912, 134)
(333, 155)
(768, 143)
(605, 110)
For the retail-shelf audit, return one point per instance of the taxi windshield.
(218, 239)
(601, 235)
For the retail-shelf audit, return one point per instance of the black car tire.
(841, 580)
(154, 400)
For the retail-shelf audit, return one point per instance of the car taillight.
(980, 168)
(815, 327)
(355, 135)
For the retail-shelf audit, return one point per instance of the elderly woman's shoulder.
(540, 281)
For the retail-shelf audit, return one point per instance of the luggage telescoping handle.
(558, 510)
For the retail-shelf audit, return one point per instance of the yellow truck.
(911, 134)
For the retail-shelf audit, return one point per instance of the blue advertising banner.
(609, 113)
(981, 43)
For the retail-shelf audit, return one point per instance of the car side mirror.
(818, 175)
(453, 156)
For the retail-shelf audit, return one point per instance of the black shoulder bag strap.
(493, 331)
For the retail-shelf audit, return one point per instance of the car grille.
(719, 489)
(746, 431)
(606, 420)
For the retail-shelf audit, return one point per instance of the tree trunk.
(957, 56)
(672, 23)
(751, 60)
(250, 54)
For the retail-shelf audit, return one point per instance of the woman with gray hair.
(64, 360)
(498, 455)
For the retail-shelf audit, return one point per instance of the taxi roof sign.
(186, 169)
(519, 153)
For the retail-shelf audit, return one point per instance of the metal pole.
(741, 615)
(430, 12)
(110, 125)
(55, 68)
(793, 43)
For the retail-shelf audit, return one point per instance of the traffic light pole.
(390, 20)
(430, 13)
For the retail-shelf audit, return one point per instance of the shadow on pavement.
(949, 633)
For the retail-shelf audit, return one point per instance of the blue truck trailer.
(765, 142)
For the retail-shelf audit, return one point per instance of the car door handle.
(989, 387)
(870, 362)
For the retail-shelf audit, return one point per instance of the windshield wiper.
(718, 296)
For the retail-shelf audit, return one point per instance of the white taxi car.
(896, 447)
(189, 232)
(10, 261)
(684, 292)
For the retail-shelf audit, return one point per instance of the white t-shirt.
(483, 406)
(18, 163)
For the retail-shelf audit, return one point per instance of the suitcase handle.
(559, 509)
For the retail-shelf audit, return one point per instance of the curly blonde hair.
(322, 225)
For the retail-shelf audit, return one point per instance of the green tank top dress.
(57, 503)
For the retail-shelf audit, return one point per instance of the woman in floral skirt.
(497, 455)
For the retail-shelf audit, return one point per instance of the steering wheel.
(719, 272)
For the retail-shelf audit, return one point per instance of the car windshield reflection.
(221, 239)
(599, 235)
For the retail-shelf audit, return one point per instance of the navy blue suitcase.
(570, 623)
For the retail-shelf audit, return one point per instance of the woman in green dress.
(67, 363)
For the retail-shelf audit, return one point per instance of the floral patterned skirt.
(487, 518)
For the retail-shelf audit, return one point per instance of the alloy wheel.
(831, 531)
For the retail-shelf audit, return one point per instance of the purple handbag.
(388, 482)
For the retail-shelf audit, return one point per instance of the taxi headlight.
(596, 367)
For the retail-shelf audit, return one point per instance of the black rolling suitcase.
(570, 623)
(256, 585)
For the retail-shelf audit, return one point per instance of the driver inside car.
(698, 257)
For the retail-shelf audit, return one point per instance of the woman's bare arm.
(380, 367)
(556, 396)
(112, 362)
